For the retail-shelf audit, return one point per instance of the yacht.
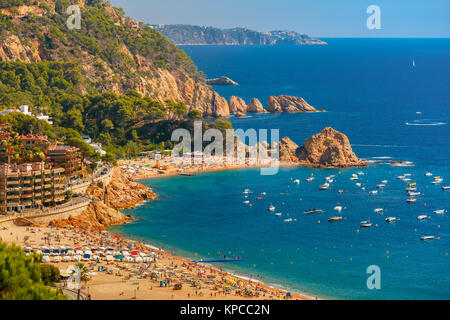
(421, 217)
(378, 210)
(439, 211)
(366, 224)
(373, 192)
(426, 237)
(411, 200)
(445, 188)
(381, 185)
(278, 214)
(313, 211)
(296, 181)
(271, 208)
(413, 193)
(428, 174)
(325, 186)
(391, 219)
(338, 208)
(310, 179)
(333, 219)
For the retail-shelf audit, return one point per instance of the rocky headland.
(327, 148)
(222, 81)
(289, 104)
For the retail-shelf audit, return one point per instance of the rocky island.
(289, 104)
(222, 81)
(329, 148)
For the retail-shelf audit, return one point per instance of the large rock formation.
(329, 148)
(237, 104)
(288, 150)
(255, 106)
(222, 81)
(219, 107)
(290, 104)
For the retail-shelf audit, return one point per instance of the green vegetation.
(49, 274)
(21, 276)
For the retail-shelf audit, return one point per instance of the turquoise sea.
(389, 109)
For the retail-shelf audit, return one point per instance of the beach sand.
(123, 281)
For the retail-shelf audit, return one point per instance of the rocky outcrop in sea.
(237, 104)
(289, 104)
(255, 106)
(222, 81)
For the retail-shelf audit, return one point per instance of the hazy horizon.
(323, 19)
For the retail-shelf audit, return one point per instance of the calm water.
(371, 90)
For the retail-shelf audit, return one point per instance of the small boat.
(246, 201)
(410, 194)
(246, 191)
(381, 185)
(445, 188)
(310, 179)
(341, 191)
(360, 173)
(358, 184)
(338, 208)
(271, 208)
(391, 219)
(325, 186)
(384, 181)
(421, 217)
(410, 189)
(289, 220)
(437, 181)
(373, 192)
(439, 211)
(297, 181)
(411, 200)
(378, 210)
(426, 237)
(278, 214)
(333, 219)
(428, 174)
(366, 224)
(313, 211)
(353, 178)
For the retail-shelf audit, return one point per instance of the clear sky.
(320, 18)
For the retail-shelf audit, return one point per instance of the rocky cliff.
(255, 106)
(113, 52)
(122, 193)
(327, 148)
(289, 104)
(237, 104)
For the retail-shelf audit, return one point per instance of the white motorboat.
(325, 186)
(246, 201)
(358, 184)
(373, 192)
(289, 220)
(278, 214)
(381, 186)
(391, 219)
(446, 188)
(411, 200)
(410, 194)
(297, 181)
(310, 179)
(271, 208)
(365, 224)
(378, 210)
(421, 217)
(439, 211)
(437, 181)
(341, 191)
(384, 181)
(428, 174)
(426, 237)
(313, 211)
(410, 189)
(338, 209)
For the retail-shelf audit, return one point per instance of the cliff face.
(113, 52)
(288, 150)
(329, 148)
(289, 104)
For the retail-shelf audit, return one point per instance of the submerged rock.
(289, 104)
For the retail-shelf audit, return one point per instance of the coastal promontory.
(289, 104)
(222, 81)
(327, 148)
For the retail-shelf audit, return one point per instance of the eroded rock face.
(237, 104)
(255, 106)
(289, 104)
(289, 150)
(219, 106)
(329, 148)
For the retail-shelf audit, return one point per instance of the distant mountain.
(198, 35)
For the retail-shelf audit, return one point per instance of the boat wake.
(425, 122)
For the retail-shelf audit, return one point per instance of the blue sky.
(321, 18)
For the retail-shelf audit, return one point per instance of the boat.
(413, 193)
(310, 179)
(271, 208)
(411, 200)
(297, 181)
(353, 178)
(315, 211)
(246, 191)
(278, 214)
(289, 220)
(378, 210)
(414, 64)
(384, 181)
(341, 191)
(439, 211)
(410, 189)
(437, 181)
(365, 224)
(426, 237)
(325, 186)
(338, 208)
(333, 219)
(391, 219)
(373, 192)
(428, 174)
(445, 188)
(421, 217)
(358, 184)
(381, 185)
(246, 201)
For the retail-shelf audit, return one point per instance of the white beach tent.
(66, 258)
(138, 259)
(57, 259)
(128, 259)
(77, 258)
(46, 259)
(70, 252)
(109, 258)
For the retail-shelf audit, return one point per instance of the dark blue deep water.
(370, 90)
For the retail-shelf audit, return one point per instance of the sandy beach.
(143, 281)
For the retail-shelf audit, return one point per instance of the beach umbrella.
(118, 257)
(102, 248)
(125, 253)
(128, 259)
(44, 248)
(134, 253)
(45, 259)
(79, 252)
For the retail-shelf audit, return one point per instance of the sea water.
(389, 109)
